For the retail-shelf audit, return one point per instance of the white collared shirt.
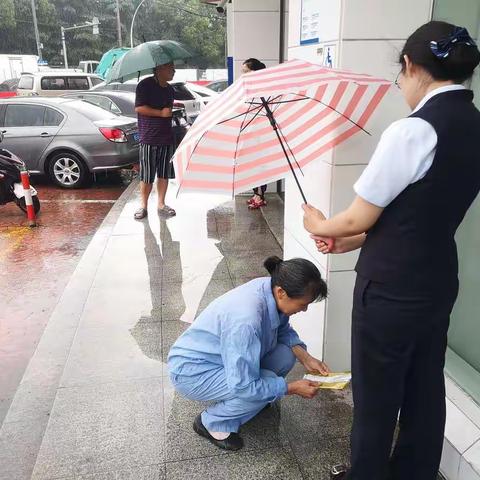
(403, 156)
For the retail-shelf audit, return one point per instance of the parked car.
(123, 103)
(55, 82)
(218, 85)
(8, 88)
(205, 93)
(67, 139)
(183, 96)
(88, 66)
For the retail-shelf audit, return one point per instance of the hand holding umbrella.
(312, 216)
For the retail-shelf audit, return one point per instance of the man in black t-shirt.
(153, 104)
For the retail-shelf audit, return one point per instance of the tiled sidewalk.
(96, 402)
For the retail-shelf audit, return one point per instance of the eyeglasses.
(396, 80)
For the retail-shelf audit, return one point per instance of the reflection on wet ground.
(115, 413)
(35, 265)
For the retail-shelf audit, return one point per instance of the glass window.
(102, 102)
(53, 118)
(126, 87)
(24, 116)
(78, 83)
(181, 92)
(53, 83)
(25, 83)
(92, 112)
(114, 108)
(96, 81)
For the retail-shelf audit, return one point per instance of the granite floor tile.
(328, 414)
(271, 464)
(204, 264)
(170, 332)
(19, 444)
(153, 472)
(185, 301)
(246, 243)
(101, 355)
(248, 265)
(31, 402)
(103, 428)
(182, 443)
(316, 458)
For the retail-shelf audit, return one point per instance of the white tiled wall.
(253, 30)
(470, 463)
(366, 19)
(338, 320)
(372, 33)
(375, 57)
(461, 447)
(250, 41)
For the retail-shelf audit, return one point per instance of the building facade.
(366, 36)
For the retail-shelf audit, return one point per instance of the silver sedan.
(67, 139)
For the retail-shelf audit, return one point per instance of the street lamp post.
(133, 20)
(119, 24)
(94, 24)
(35, 26)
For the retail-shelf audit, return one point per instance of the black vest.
(412, 244)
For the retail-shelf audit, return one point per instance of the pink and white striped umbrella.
(292, 113)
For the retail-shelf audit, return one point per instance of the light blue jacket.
(235, 332)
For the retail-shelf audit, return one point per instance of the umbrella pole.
(273, 123)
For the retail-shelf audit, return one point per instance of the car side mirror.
(2, 135)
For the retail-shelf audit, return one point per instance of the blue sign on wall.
(309, 22)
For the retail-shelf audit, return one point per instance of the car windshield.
(92, 112)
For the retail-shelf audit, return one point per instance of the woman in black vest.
(411, 198)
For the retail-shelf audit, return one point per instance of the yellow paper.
(332, 381)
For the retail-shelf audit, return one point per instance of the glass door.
(463, 355)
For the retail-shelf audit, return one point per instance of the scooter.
(11, 189)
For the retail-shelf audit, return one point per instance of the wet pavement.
(36, 264)
(96, 402)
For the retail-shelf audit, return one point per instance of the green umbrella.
(143, 58)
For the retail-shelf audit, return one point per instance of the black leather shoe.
(232, 442)
(339, 472)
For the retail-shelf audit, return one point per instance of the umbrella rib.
(289, 149)
(190, 156)
(239, 115)
(243, 127)
(287, 101)
(270, 102)
(236, 143)
(335, 110)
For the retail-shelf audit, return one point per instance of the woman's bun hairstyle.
(445, 51)
(272, 263)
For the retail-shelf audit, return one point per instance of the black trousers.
(399, 338)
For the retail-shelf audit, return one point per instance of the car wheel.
(67, 170)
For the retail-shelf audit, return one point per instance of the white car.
(183, 96)
(204, 93)
(52, 83)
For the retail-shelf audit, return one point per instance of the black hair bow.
(442, 48)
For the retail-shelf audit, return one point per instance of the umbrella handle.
(330, 243)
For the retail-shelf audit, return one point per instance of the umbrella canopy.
(272, 121)
(143, 58)
(108, 59)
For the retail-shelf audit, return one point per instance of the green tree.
(194, 24)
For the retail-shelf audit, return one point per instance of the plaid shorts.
(155, 161)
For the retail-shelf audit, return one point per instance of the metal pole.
(119, 25)
(35, 26)
(64, 46)
(273, 123)
(133, 20)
